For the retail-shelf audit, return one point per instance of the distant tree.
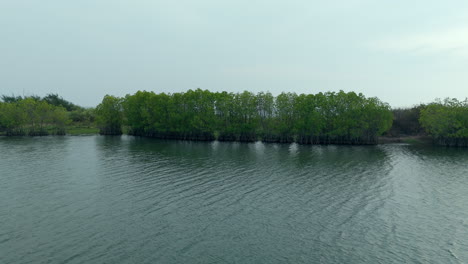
(83, 116)
(11, 98)
(56, 100)
(406, 121)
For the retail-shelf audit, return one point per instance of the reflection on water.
(136, 200)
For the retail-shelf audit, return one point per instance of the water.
(99, 199)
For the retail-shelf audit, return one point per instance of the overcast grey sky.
(404, 52)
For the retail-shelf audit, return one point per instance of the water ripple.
(134, 200)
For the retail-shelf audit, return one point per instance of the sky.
(403, 52)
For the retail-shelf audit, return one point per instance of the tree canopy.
(29, 116)
(324, 118)
(447, 121)
(109, 116)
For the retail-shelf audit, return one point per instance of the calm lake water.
(95, 199)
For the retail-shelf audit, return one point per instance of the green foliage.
(109, 116)
(239, 116)
(343, 118)
(83, 116)
(29, 116)
(12, 119)
(187, 115)
(56, 100)
(11, 98)
(136, 111)
(285, 117)
(33, 115)
(447, 121)
(323, 118)
(266, 113)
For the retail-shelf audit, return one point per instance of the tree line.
(323, 118)
(447, 121)
(36, 116)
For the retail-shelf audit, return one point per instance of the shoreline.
(383, 140)
(405, 139)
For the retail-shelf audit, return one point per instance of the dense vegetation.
(324, 118)
(36, 116)
(109, 116)
(447, 122)
(406, 122)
